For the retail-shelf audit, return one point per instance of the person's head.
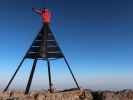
(46, 10)
(43, 9)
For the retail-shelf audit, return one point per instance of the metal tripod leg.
(14, 75)
(49, 74)
(31, 77)
(72, 73)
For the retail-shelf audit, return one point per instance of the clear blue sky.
(95, 35)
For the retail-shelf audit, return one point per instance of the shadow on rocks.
(97, 95)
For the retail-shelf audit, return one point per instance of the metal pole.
(71, 73)
(9, 83)
(68, 67)
(49, 74)
(31, 77)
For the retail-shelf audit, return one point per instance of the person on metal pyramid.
(44, 47)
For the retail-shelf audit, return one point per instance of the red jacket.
(45, 14)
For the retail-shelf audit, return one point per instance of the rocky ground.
(110, 95)
(43, 95)
(68, 95)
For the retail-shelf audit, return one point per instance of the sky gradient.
(95, 35)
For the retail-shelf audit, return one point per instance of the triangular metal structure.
(44, 47)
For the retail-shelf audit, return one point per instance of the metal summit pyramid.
(44, 47)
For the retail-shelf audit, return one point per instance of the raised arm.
(38, 11)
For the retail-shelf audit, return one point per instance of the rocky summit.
(68, 95)
(43, 95)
